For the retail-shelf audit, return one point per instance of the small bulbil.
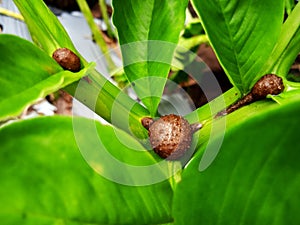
(170, 136)
(269, 84)
(67, 59)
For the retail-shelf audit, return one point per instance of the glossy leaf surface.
(45, 179)
(148, 33)
(254, 178)
(242, 33)
(27, 75)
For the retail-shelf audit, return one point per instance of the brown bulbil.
(170, 136)
(67, 59)
(269, 84)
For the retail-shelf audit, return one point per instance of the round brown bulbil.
(67, 59)
(170, 136)
(269, 84)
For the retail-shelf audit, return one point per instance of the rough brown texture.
(269, 84)
(170, 136)
(147, 121)
(67, 59)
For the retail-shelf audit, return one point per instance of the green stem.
(96, 33)
(108, 101)
(292, 85)
(103, 9)
(194, 41)
(95, 91)
(11, 14)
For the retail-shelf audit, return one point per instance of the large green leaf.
(148, 33)
(254, 178)
(27, 75)
(242, 33)
(45, 179)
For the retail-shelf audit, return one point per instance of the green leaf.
(254, 178)
(46, 180)
(96, 92)
(289, 5)
(242, 33)
(27, 75)
(287, 96)
(45, 29)
(287, 47)
(148, 33)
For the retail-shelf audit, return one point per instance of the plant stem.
(103, 9)
(95, 91)
(269, 84)
(109, 102)
(96, 33)
(247, 99)
(9, 13)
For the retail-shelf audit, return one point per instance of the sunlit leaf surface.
(242, 33)
(148, 33)
(254, 178)
(46, 180)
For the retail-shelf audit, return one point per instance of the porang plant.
(242, 167)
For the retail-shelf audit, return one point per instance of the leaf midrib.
(240, 84)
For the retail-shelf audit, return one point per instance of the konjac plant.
(234, 160)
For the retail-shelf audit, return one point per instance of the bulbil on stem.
(170, 135)
(269, 84)
(67, 59)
